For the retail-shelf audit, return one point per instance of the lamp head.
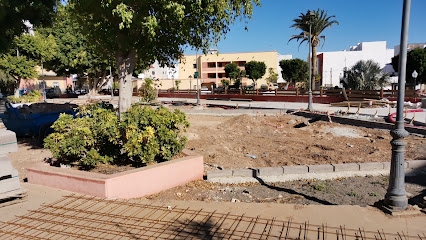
(415, 74)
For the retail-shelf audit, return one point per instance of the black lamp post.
(396, 196)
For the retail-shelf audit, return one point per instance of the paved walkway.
(50, 214)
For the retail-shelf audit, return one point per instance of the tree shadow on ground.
(418, 178)
(293, 192)
(32, 142)
(196, 230)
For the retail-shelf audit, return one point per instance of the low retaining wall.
(308, 171)
(129, 184)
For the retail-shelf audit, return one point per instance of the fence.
(347, 94)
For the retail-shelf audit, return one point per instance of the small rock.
(369, 135)
(372, 140)
(235, 200)
(179, 194)
(169, 207)
(246, 192)
(292, 121)
(349, 145)
(280, 196)
(380, 137)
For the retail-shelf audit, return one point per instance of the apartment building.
(331, 64)
(212, 66)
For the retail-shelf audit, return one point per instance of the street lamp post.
(190, 82)
(415, 75)
(310, 108)
(396, 196)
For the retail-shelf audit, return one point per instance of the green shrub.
(91, 138)
(98, 136)
(148, 92)
(32, 97)
(151, 134)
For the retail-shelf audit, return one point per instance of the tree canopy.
(364, 75)
(76, 55)
(146, 31)
(416, 60)
(318, 21)
(31, 50)
(255, 70)
(273, 76)
(294, 70)
(234, 73)
(13, 15)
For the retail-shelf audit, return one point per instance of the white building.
(281, 57)
(157, 72)
(331, 64)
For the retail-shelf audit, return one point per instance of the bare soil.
(230, 142)
(225, 143)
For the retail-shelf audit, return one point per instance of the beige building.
(212, 67)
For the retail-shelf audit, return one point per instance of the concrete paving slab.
(244, 173)
(371, 166)
(295, 169)
(414, 164)
(218, 174)
(346, 167)
(270, 171)
(323, 168)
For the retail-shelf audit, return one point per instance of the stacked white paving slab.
(9, 179)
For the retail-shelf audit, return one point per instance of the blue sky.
(359, 21)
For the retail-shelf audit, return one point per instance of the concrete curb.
(321, 172)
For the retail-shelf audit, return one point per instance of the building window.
(195, 65)
(242, 63)
(221, 75)
(220, 64)
(211, 75)
(211, 64)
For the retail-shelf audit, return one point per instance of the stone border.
(129, 184)
(287, 173)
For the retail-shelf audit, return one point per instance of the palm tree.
(364, 75)
(319, 21)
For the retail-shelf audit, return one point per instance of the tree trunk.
(18, 83)
(126, 64)
(314, 65)
(92, 86)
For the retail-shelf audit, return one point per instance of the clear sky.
(359, 21)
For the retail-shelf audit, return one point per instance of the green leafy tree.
(255, 70)
(319, 21)
(273, 76)
(364, 75)
(148, 92)
(145, 31)
(13, 15)
(234, 73)
(76, 55)
(294, 70)
(7, 83)
(416, 60)
(225, 83)
(33, 50)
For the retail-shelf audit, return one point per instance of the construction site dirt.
(258, 141)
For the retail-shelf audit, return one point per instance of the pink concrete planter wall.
(130, 184)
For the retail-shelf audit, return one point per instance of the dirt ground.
(230, 142)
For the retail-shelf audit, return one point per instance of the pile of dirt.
(230, 142)
(46, 107)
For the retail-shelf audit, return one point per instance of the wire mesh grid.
(84, 217)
